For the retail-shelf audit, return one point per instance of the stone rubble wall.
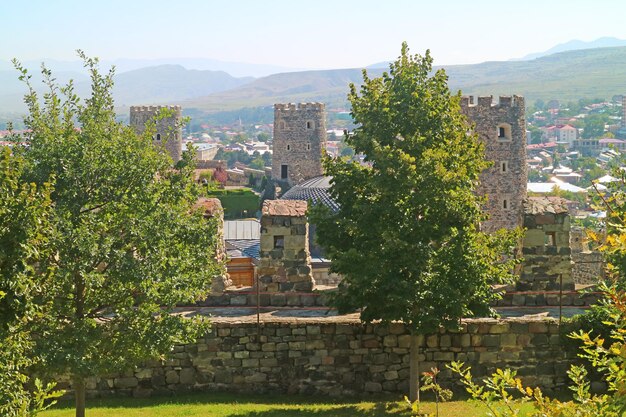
(588, 267)
(339, 358)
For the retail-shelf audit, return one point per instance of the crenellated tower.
(168, 134)
(502, 128)
(299, 141)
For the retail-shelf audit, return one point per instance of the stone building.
(168, 133)
(502, 127)
(299, 141)
(546, 248)
(285, 263)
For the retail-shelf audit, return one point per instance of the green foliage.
(237, 203)
(24, 243)
(405, 238)
(607, 357)
(429, 383)
(128, 244)
(594, 126)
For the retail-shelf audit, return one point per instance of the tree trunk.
(79, 393)
(414, 368)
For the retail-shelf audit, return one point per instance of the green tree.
(263, 137)
(594, 126)
(24, 232)
(128, 244)
(406, 238)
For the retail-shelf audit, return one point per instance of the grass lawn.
(227, 405)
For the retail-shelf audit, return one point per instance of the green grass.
(231, 405)
(237, 203)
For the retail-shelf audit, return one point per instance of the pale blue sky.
(301, 34)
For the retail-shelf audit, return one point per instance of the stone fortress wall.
(299, 141)
(340, 357)
(168, 129)
(502, 128)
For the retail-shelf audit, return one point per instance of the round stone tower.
(168, 133)
(299, 141)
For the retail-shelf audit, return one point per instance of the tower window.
(288, 147)
(283, 172)
(504, 132)
(504, 166)
(550, 239)
(309, 124)
(279, 242)
(505, 204)
(308, 146)
(158, 137)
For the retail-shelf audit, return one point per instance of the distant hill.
(569, 75)
(160, 84)
(170, 83)
(574, 45)
(328, 86)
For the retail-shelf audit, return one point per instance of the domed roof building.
(315, 189)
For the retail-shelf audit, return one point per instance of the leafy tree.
(406, 238)
(594, 126)
(263, 137)
(24, 231)
(128, 244)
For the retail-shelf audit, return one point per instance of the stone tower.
(299, 141)
(168, 129)
(502, 127)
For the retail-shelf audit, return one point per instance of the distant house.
(561, 133)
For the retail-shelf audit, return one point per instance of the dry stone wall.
(342, 358)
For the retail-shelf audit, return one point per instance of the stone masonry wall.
(168, 129)
(299, 141)
(285, 263)
(588, 267)
(339, 358)
(504, 183)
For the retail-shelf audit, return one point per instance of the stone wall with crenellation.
(299, 142)
(502, 128)
(168, 128)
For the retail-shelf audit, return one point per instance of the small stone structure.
(285, 263)
(502, 127)
(168, 133)
(299, 142)
(212, 208)
(338, 356)
(588, 265)
(546, 247)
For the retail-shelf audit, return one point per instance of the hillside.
(159, 84)
(565, 76)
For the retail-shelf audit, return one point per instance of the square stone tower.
(168, 133)
(502, 128)
(299, 142)
(285, 258)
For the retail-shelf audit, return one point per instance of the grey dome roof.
(315, 189)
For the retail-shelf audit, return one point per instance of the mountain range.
(575, 73)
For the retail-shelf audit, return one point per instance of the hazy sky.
(301, 34)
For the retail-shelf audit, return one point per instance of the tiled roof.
(314, 190)
(294, 208)
(248, 247)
